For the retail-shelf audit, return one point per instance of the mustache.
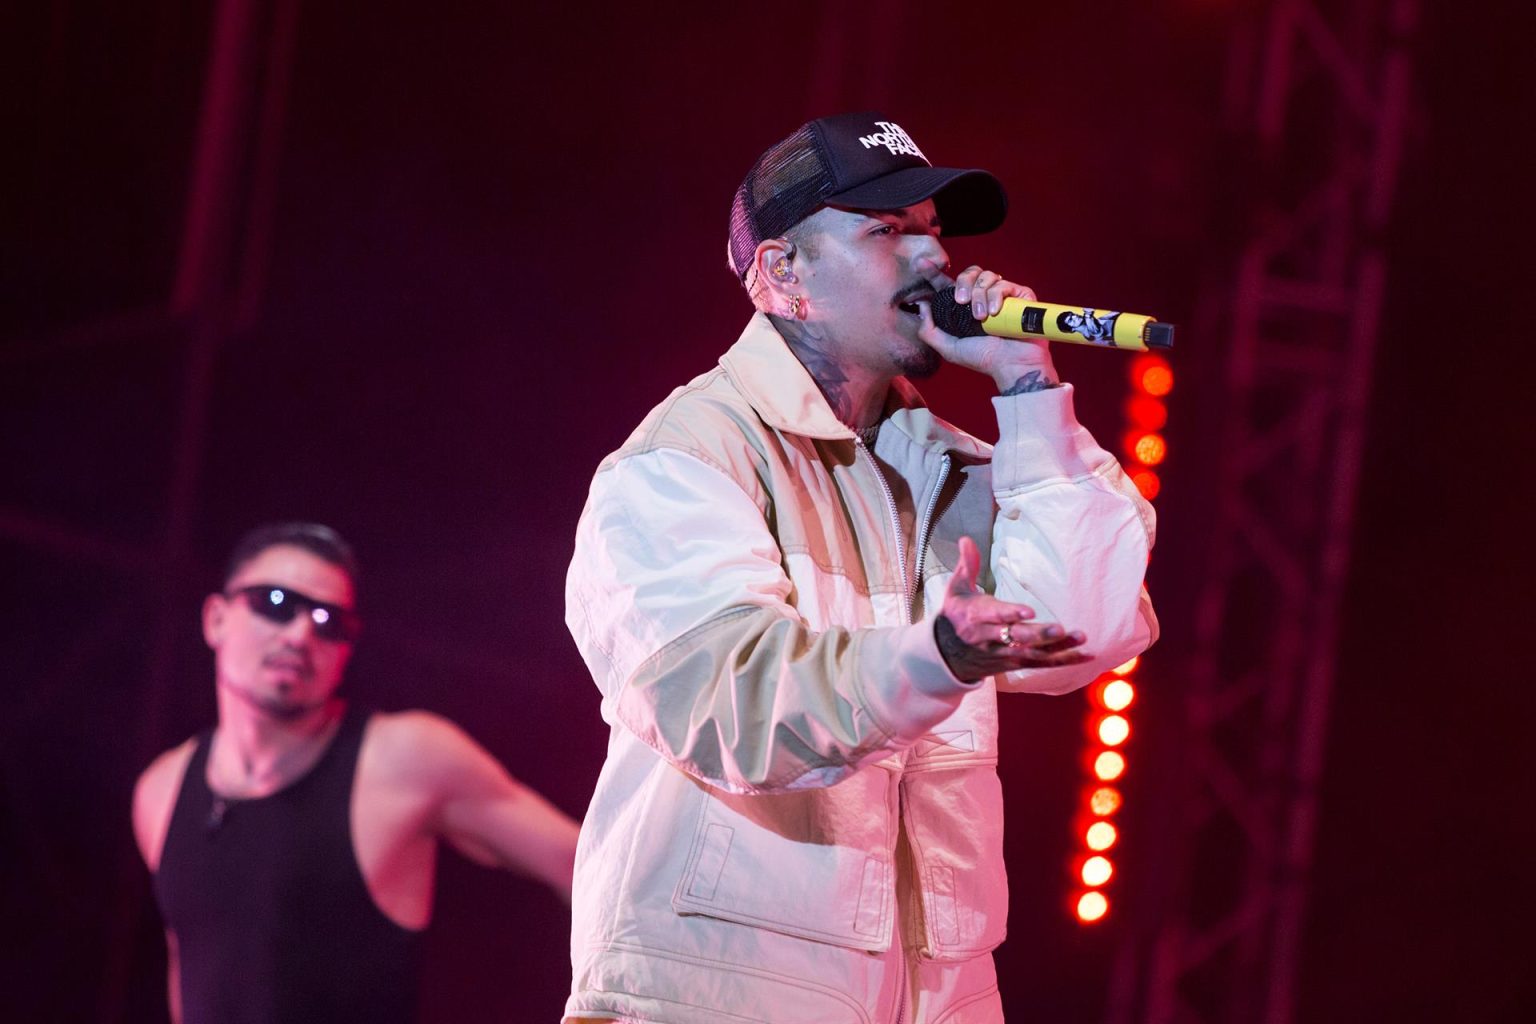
(913, 292)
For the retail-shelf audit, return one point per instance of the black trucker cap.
(864, 161)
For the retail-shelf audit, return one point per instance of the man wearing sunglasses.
(293, 845)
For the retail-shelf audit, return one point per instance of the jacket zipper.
(890, 505)
(907, 589)
(926, 526)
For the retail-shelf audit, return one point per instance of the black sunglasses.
(280, 604)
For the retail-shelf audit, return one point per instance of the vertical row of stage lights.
(1111, 696)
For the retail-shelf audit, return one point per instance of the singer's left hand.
(1005, 360)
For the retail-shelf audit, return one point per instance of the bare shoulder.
(417, 746)
(154, 798)
(412, 734)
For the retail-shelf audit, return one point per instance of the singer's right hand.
(980, 635)
(1005, 360)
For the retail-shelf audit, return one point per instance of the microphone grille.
(953, 318)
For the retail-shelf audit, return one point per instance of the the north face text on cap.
(893, 139)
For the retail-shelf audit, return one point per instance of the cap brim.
(969, 202)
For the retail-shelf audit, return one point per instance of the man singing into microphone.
(800, 593)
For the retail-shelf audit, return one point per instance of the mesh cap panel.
(786, 185)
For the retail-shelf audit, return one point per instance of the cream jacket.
(799, 796)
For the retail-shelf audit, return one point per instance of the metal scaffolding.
(1320, 93)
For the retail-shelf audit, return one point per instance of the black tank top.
(273, 920)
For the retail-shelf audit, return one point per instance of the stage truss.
(1320, 96)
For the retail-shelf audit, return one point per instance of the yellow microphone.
(1080, 325)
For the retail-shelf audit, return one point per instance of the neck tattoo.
(815, 354)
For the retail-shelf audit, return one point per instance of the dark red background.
(498, 238)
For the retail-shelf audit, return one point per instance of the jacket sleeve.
(1071, 539)
(679, 603)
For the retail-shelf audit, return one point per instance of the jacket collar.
(785, 396)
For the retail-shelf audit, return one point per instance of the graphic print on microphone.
(1098, 328)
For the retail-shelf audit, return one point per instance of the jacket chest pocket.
(816, 864)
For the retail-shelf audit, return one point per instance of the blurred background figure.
(294, 844)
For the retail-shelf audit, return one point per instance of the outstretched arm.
(480, 809)
(680, 602)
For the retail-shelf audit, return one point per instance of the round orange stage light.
(1152, 375)
(1125, 668)
(1092, 906)
(1104, 801)
(1147, 483)
(1118, 694)
(1097, 870)
(1114, 730)
(1101, 836)
(1148, 449)
(1109, 766)
(1146, 412)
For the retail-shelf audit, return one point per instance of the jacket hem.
(634, 1004)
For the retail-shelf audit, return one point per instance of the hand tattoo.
(951, 647)
(1034, 380)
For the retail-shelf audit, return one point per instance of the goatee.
(920, 364)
